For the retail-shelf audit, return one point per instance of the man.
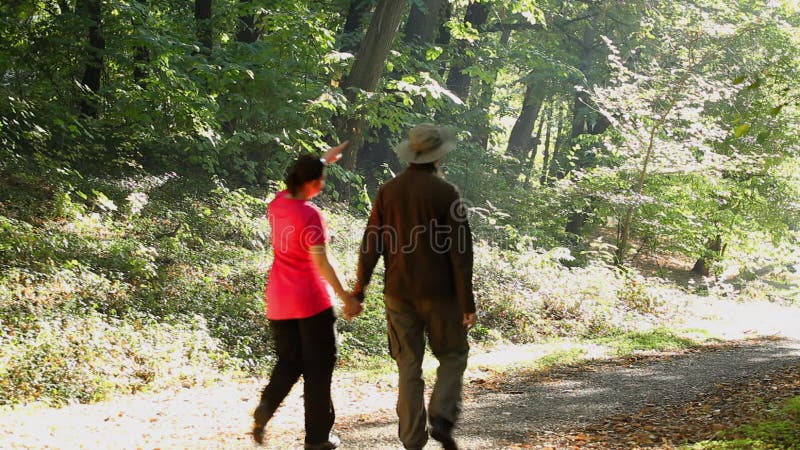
(419, 225)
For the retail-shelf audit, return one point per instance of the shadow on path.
(505, 413)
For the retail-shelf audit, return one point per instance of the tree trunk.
(714, 250)
(423, 23)
(458, 82)
(443, 36)
(580, 107)
(202, 15)
(141, 61)
(89, 11)
(352, 26)
(549, 165)
(581, 124)
(521, 134)
(531, 156)
(484, 103)
(141, 56)
(248, 30)
(421, 28)
(367, 70)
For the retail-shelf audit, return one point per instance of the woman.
(298, 304)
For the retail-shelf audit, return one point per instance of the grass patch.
(779, 430)
(658, 340)
(560, 358)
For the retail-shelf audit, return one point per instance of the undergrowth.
(780, 430)
(138, 282)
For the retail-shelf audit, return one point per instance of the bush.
(87, 358)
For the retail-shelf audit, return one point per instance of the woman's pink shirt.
(295, 288)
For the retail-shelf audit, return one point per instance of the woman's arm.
(319, 255)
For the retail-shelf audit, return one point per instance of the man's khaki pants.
(408, 323)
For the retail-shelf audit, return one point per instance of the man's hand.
(335, 153)
(352, 308)
(470, 319)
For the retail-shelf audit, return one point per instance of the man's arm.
(461, 258)
(371, 248)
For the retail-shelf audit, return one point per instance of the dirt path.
(501, 410)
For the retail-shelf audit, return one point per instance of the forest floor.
(647, 400)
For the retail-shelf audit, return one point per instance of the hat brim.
(404, 152)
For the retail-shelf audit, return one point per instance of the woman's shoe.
(332, 442)
(261, 416)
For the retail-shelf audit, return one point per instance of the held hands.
(335, 153)
(470, 319)
(352, 307)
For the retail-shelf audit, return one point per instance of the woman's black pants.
(305, 347)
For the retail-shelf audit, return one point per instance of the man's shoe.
(261, 416)
(332, 442)
(441, 430)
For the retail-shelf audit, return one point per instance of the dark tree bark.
(584, 121)
(423, 23)
(519, 141)
(202, 15)
(483, 128)
(141, 59)
(714, 250)
(90, 11)
(550, 165)
(248, 31)
(530, 155)
(546, 147)
(443, 36)
(421, 29)
(367, 70)
(352, 26)
(459, 82)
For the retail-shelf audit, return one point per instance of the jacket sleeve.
(461, 256)
(371, 248)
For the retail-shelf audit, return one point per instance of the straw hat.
(426, 143)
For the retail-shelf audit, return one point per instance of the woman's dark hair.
(306, 168)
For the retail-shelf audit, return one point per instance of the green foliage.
(145, 221)
(779, 430)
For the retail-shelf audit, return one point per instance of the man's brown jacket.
(419, 225)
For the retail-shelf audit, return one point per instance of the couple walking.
(419, 226)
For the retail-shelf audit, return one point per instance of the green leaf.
(762, 137)
(433, 53)
(754, 84)
(740, 79)
(741, 130)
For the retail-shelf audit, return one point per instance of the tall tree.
(351, 32)
(141, 53)
(425, 22)
(90, 12)
(519, 141)
(202, 16)
(248, 30)
(458, 80)
(365, 73)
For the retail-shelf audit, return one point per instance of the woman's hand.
(352, 307)
(335, 153)
(470, 319)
